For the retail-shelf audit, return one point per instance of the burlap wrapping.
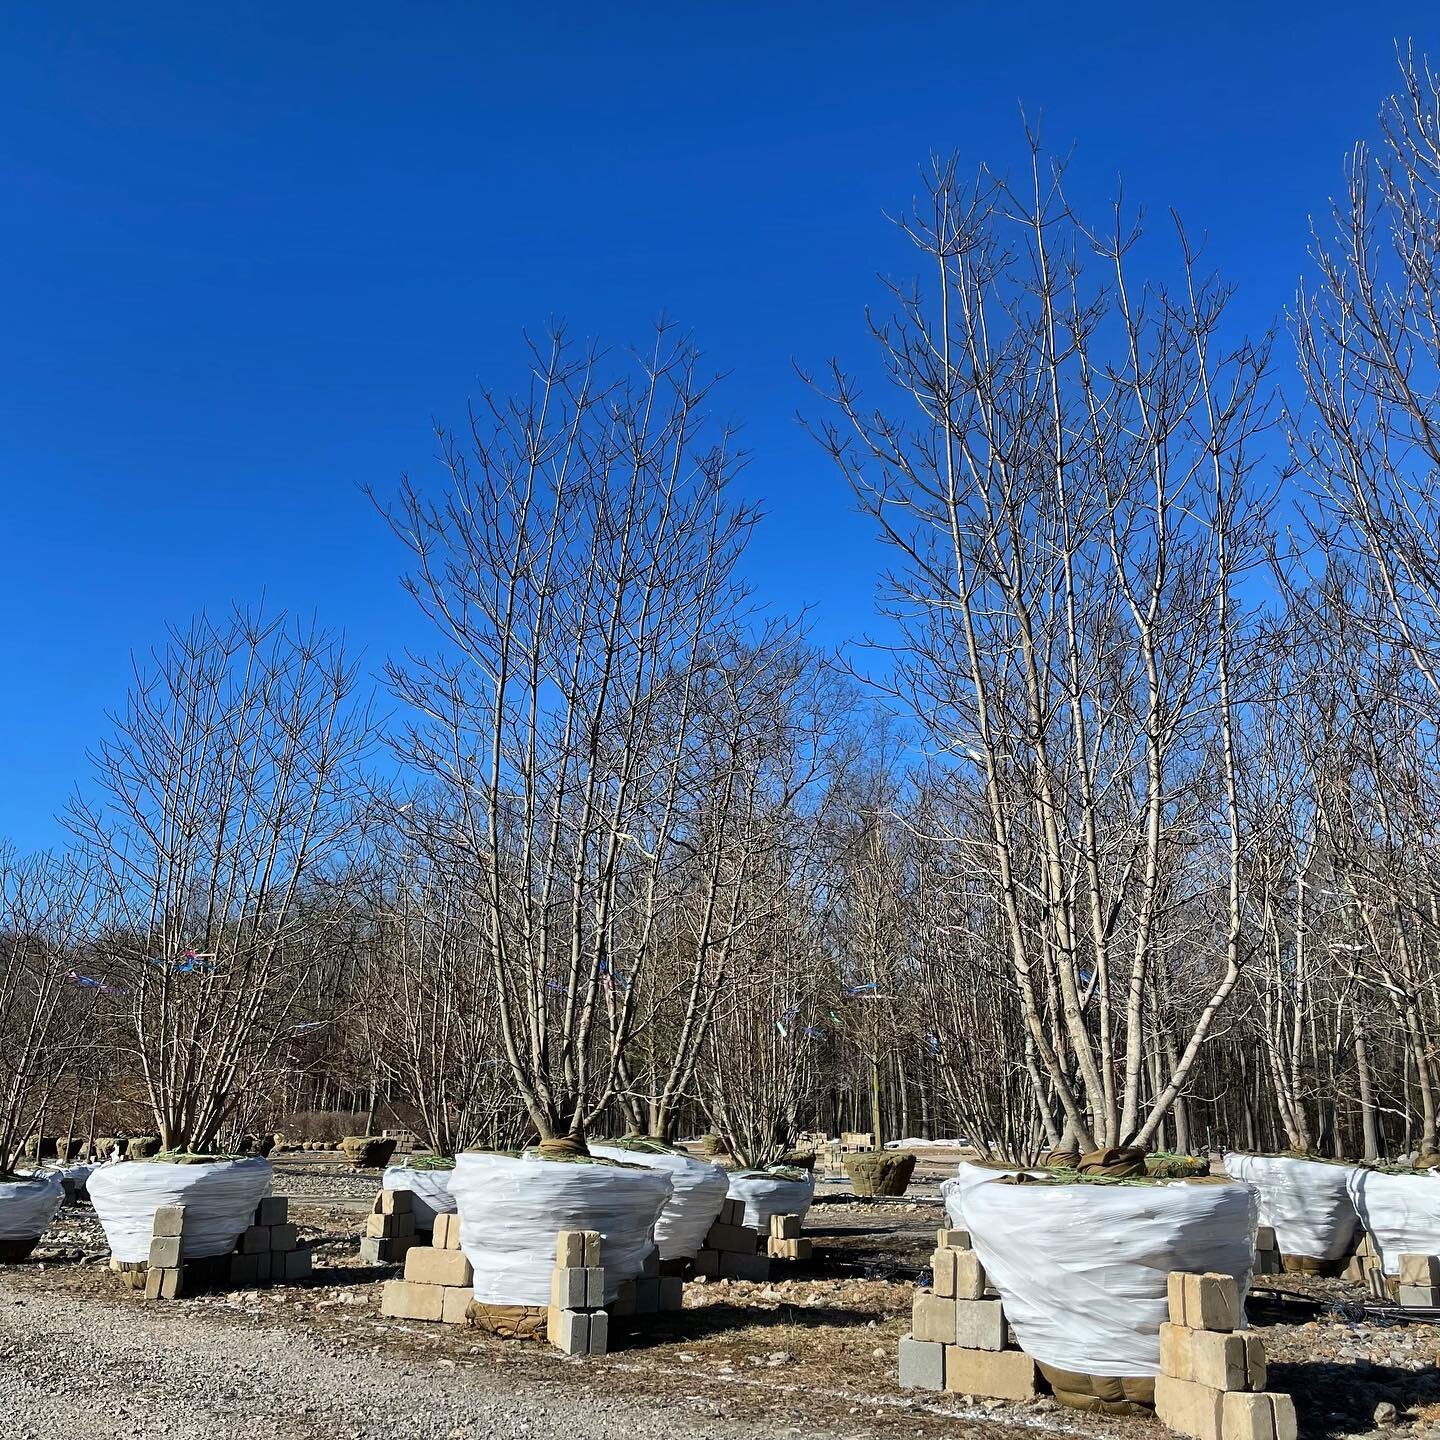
(1103, 1394)
(1119, 1161)
(564, 1147)
(508, 1322)
(1311, 1265)
(1061, 1159)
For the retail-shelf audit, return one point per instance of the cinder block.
(385, 1252)
(1204, 1302)
(624, 1302)
(1188, 1408)
(245, 1270)
(1421, 1270)
(283, 1237)
(169, 1220)
(1267, 1262)
(1265, 1238)
(672, 1292)
(731, 1239)
(732, 1212)
(594, 1287)
(165, 1252)
(570, 1250)
(953, 1240)
(567, 1288)
(599, 1333)
(427, 1266)
(593, 1240)
(785, 1227)
(569, 1331)
(446, 1234)
(922, 1364)
(707, 1263)
(1255, 1417)
(942, 1266)
(299, 1264)
(994, 1374)
(272, 1210)
(455, 1302)
(163, 1282)
(745, 1267)
(395, 1202)
(647, 1295)
(932, 1317)
(1221, 1360)
(408, 1300)
(256, 1240)
(980, 1325)
(970, 1282)
(1411, 1297)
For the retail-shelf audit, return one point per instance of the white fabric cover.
(219, 1200)
(430, 1189)
(1082, 1268)
(698, 1190)
(1401, 1212)
(967, 1176)
(1306, 1202)
(28, 1206)
(512, 1206)
(765, 1195)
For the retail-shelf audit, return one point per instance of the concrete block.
(624, 1302)
(594, 1287)
(299, 1264)
(1221, 1360)
(922, 1364)
(1267, 1262)
(732, 1212)
(980, 1325)
(165, 1252)
(932, 1317)
(789, 1249)
(745, 1267)
(395, 1202)
(707, 1263)
(947, 1239)
(1188, 1408)
(570, 1250)
(672, 1293)
(731, 1239)
(163, 1282)
(992, 1374)
(255, 1240)
(647, 1295)
(1412, 1297)
(970, 1282)
(265, 1267)
(272, 1210)
(942, 1266)
(446, 1234)
(454, 1303)
(1204, 1302)
(785, 1227)
(1265, 1416)
(1265, 1238)
(599, 1333)
(407, 1300)
(169, 1220)
(1420, 1270)
(245, 1270)
(427, 1266)
(569, 1331)
(385, 1252)
(283, 1237)
(567, 1288)
(593, 1242)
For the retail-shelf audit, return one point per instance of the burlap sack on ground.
(508, 1322)
(1102, 1394)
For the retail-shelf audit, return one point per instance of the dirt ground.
(811, 1352)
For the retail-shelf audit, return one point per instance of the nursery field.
(812, 1352)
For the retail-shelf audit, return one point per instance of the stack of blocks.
(959, 1340)
(1211, 1384)
(267, 1251)
(165, 1279)
(577, 1322)
(1267, 1252)
(731, 1250)
(1419, 1281)
(650, 1294)
(389, 1229)
(786, 1242)
(438, 1279)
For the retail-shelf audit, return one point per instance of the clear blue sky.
(249, 251)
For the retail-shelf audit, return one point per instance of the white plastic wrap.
(1400, 1212)
(511, 1208)
(28, 1206)
(967, 1176)
(765, 1195)
(698, 1190)
(74, 1178)
(430, 1189)
(1082, 1268)
(1306, 1202)
(219, 1200)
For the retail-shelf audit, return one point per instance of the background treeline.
(1123, 834)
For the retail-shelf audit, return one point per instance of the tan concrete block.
(1204, 1302)
(785, 1227)
(1188, 1408)
(1423, 1270)
(569, 1331)
(567, 1288)
(377, 1227)
(165, 1252)
(446, 1234)
(970, 1282)
(570, 1250)
(454, 1303)
(169, 1220)
(933, 1317)
(428, 1266)
(395, 1202)
(1264, 1416)
(980, 1325)
(1418, 1297)
(993, 1374)
(942, 1265)
(593, 1242)
(409, 1300)
(1223, 1361)
(1265, 1238)
(948, 1239)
